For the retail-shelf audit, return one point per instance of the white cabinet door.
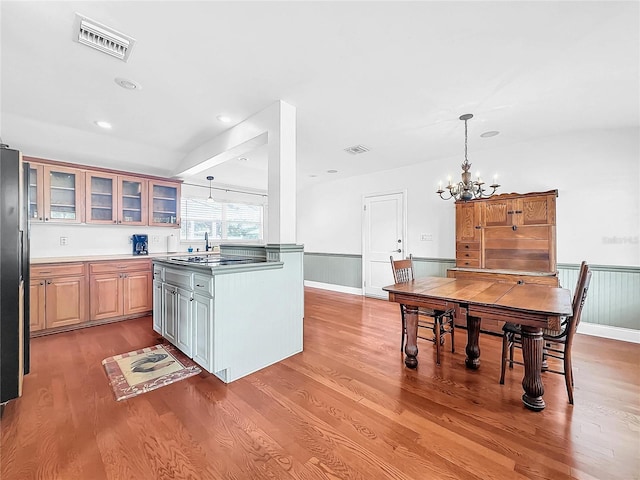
(169, 295)
(183, 317)
(158, 320)
(203, 331)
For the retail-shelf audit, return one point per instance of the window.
(221, 220)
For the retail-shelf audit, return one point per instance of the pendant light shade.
(210, 199)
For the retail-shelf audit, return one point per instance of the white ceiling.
(393, 76)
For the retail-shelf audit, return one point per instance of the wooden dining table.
(533, 307)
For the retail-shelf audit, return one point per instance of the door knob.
(399, 250)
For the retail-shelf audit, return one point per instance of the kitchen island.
(235, 312)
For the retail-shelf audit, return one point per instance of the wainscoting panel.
(333, 268)
(613, 299)
(614, 294)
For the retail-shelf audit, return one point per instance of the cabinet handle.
(46, 219)
(510, 212)
(48, 282)
(478, 227)
(115, 221)
(41, 283)
(466, 254)
(198, 285)
(466, 246)
(191, 299)
(515, 227)
(40, 218)
(518, 211)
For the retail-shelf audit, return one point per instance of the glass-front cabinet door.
(36, 193)
(132, 209)
(164, 203)
(102, 198)
(63, 195)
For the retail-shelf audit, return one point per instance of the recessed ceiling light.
(332, 171)
(490, 133)
(223, 118)
(128, 84)
(103, 124)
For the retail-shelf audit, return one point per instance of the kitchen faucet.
(207, 247)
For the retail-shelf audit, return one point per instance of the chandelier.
(467, 189)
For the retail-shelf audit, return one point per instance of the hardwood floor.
(345, 408)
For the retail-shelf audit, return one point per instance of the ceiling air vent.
(103, 38)
(356, 149)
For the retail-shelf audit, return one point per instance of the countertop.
(99, 258)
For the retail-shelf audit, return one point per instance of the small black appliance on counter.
(140, 244)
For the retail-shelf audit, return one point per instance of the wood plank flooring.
(345, 408)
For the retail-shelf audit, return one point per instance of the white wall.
(597, 174)
(93, 239)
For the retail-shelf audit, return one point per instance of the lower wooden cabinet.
(120, 288)
(57, 297)
(63, 295)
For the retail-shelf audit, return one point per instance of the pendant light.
(210, 199)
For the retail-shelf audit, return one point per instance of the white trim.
(606, 331)
(333, 288)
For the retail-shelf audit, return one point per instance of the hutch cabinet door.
(538, 210)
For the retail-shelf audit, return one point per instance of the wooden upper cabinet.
(538, 210)
(524, 210)
(164, 203)
(116, 199)
(36, 192)
(58, 192)
(102, 198)
(63, 194)
(132, 209)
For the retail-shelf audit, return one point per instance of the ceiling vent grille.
(356, 149)
(96, 35)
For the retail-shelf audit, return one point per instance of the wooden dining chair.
(557, 344)
(438, 322)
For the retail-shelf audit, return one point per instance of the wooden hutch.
(507, 238)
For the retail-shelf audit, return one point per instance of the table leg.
(532, 355)
(411, 347)
(473, 344)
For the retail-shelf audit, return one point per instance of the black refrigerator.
(14, 273)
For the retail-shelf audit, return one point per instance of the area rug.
(141, 371)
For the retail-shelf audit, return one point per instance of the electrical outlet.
(64, 240)
(426, 237)
(155, 239)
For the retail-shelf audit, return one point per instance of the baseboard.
(606, 331)
(333, 288)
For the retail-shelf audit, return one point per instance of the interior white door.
(383, 236)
